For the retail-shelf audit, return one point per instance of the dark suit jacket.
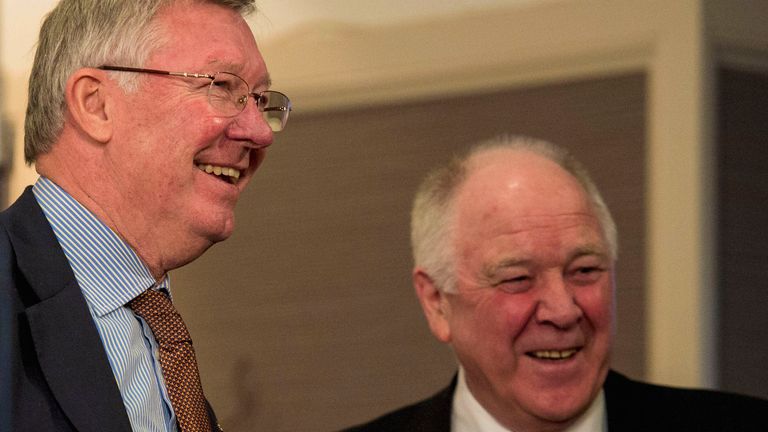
(54, 371)
(631, 406)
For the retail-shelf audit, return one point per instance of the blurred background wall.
(305, 319)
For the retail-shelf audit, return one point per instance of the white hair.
(433, 211)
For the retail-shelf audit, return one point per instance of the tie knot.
(150, 301)
(158, 311)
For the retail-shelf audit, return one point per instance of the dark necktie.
(177, 359)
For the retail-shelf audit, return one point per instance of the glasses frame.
(260, 98)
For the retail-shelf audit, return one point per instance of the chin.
(562, 408)
(220, 237)
(203, 237)
(217, 227)
(563, 414)
(222, 234)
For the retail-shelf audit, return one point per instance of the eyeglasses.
(228, 94)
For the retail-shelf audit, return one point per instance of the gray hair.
(90, 33)
(432, 213)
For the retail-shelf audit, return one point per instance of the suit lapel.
(621, 403)
(433, 414)
(74, 362)
(437, 411)
(66, 341)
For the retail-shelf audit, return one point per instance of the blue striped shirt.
(110, 274)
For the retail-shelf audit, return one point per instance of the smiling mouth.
(227, 174)
(552, 354)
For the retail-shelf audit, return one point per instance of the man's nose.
(557, 304)
(251, 128)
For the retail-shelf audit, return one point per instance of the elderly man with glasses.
(146, 121)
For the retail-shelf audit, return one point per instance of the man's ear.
(434, 304)
(88, 102)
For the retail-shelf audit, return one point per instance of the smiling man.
(146, 121)
(514, 254)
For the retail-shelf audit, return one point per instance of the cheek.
(168, 152)
(518, 312)
(504, 316)
(597, 304)
(178, 122)
(192, 132)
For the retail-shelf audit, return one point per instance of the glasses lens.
(275, 107)
(228, 94)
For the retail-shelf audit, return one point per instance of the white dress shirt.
(469, 416)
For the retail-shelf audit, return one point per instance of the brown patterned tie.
(177, 359)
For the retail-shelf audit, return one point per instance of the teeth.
(220, 170)
(554, 355)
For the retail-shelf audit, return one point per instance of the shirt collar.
(108, 270)
(468, 415)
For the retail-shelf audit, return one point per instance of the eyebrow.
(586, 250)
(590, 249)
(237, 69)
(492, 269)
